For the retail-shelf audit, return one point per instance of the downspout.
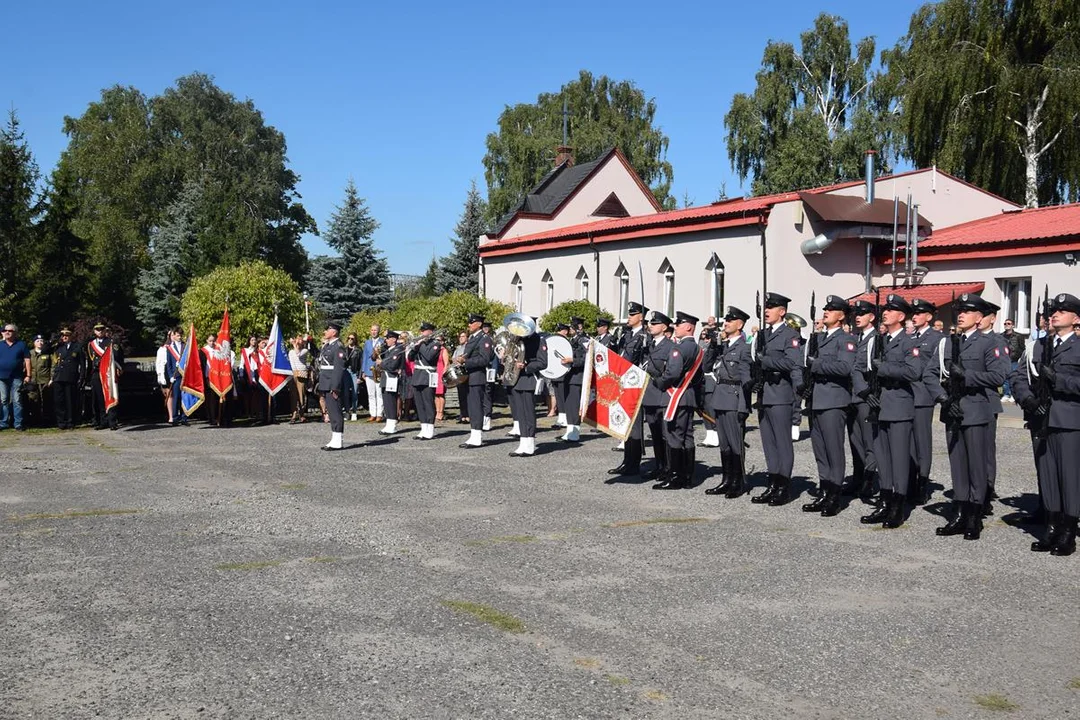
(483, 277)
(596, 261)
(868, 283)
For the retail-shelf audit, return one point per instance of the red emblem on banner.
(619, 389)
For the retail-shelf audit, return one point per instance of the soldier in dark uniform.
(683, 375)
(572, 381)
(69, 366)
(523, 393)
(861, 422)
(392, 363)
(332, 381)
(475, 360)
(897, 367)
(781, 365)
(969, 368)
(730, 402)
(1047, 386)
(602, 335)
(927, 340)
(655, 402)
(986, 327)
(494, 368)
(425, 377)
(633, 345)
(712, 347)
(95, 350)
(557, 383)
(830, 377)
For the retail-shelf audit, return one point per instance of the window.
(622, 289)
(667, 275)
(1016, 303)
(549, 291)
(715, 270)
(583, 283)
(517, 293)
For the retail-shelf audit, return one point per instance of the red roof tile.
(940, 294)
(1019, 226)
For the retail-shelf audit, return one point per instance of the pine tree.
(323, 283)
(162, 284)
(460, 268)
(19, 207)
(361, 279)
(429, 281)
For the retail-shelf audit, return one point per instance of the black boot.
(727, 471)
(973, 527)
(879, 514)
(670, 479)
(987, 509)
(956, 525)
(738, 484)
(1066, 540)
(631, 463)
(819, 503)
(858, 477)
(894, 512)
(1054, 525)
(833, 504)
(866, 492)
(774, 485)
(780, 497)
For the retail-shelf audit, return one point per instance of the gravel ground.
(182, 573)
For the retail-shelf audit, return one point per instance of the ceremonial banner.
(275, 370)
(107, 369)
(192, 389)
(219, 360)
(620, 389)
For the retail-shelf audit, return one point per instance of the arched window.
(715, 270)
(517, 293)
(667, 294)
(583, 283)
(622, 290)
(549, 291)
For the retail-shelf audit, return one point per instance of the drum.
(454, 375)
(558, 348)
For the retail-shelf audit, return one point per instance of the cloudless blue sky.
(400, 96)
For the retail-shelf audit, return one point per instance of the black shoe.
(514, 453)
(467, 446)
(1066, 540)
(894, 513)
(780, 497)
(878, 515)
(624, 469)
(973, 527)
(327, 448)
(1049, 538)
(657, 473)
(923, 493)
(720, 489)
(738, 485)
(675, 483)
(616, 449)
(987, 507)
(833, 504)
(769, 491)
(819, 503)
(728, 471)
(956, 525)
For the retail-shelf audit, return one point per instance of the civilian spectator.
(298, 360)
(14, 371)
(1015, 343)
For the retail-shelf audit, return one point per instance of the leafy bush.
(253, 289)
(583, 309)
(450, 312)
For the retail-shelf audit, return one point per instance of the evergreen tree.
(429, 281)
(323, 284)
(162, 284)
(19, 207)
(461, 267)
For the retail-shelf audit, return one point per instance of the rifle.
(955, 390)
(807, 389)
(1043, 390)
(757, 375)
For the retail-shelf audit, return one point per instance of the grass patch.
(655, 695)
(502, 539)
(1074, 684)
(70, 514)
(323, 559)
(293, 486)
(253, 565)
(617, 679)
(591, 663)
(997, 702)
(655, 521)
(485, 613)
(102, 446)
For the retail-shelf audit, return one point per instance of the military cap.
(658, 318)
(971, 301)
(333, 326)
(39, 337)
(635, 308)
(559, 327)
(681, 317)
(863, 307)
(426, 326)
(835, 302)
(1065, 302)
(575, 321)
(897, 302)
(776, 300)
(734, 313)
(475, 317)
(603, 322)
(65, 331)
(101, 326)
(991, 308)
(392, 334)
(918, 305)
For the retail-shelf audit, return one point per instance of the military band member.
(897, 368)
(927, 340)
(425, 377)
(711, 345)
(655, 362)
(331, 382)
(781, 365)
(475, 360)
(986, 327)
(95, 351)
(604, 337)
(963, 382)
(830, 376)
(494, 368)
(633, 345)
(861, 422)
(572, 381)
(392, 364)
(1047, 386)
(523, 393)
(68, 369)
(683, 377)
(730, 402)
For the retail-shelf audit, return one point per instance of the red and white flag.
(219, 360)
(107, 368)
(620, 389)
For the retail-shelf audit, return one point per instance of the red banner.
(107, 370)
(191, 383)
(620, 389)
(219, 360)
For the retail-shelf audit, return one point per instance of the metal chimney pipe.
(870, 175)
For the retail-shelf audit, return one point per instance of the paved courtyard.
(203, 573)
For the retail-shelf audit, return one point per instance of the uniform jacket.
(478, 354)
(1003, 347)
(927, 343)
(831, 370)
(896, 372)
(606, 339)
(712, 350)
(331, 367)
(425, 355)
(1065, 393)
(634, 345)
(683, 357)
(172, 362)
(70, 363)
(41, 366)
(393, 363)
(662, 373)
(860, 382)
(985, 368)
(249, 370)
(580, 344)
(95, 360)
(535, 360)
(731, 370)
(782, 362)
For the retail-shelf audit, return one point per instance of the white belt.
(418, 366)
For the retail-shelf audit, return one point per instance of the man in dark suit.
(730, 402)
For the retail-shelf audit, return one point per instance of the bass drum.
(558, 348)
(454, 376)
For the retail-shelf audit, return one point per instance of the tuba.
(516, 327)
(376, 354)
(795, 322)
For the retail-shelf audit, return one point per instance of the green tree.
(19, 209)
(583, 309)
(460, 269)
(429, 280)
(255, 291)
(163, 282)
(323, 283)
(813, 114)
(991, 92)
(448, 312)
(603, 113)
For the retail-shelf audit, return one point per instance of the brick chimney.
(564, 154)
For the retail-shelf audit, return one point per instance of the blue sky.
(401, 96)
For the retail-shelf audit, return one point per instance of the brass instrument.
(376, 356)
(795, 322)
(509, 346)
